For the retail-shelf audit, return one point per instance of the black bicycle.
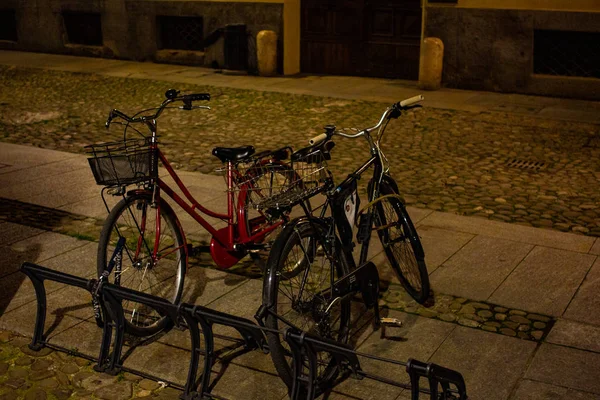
(311, 273)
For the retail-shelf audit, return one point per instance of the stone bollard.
(266, 53)
(431, 62)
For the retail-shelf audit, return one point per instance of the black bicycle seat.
(226, 154)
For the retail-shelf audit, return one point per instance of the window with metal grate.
(8, 25)
(180, 33)
(566, 53)
(83, 28)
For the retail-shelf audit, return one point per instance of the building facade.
(547, 47)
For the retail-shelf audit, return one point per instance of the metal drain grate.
(528, 165)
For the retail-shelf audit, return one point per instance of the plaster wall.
(129, 26)
(492, 49)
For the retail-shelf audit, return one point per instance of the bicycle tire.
(299, 242)
(163, 277)
(401, 244)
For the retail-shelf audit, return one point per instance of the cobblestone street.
(504, 166)
(49, 374)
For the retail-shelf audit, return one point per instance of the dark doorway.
(378, 38)
(8, 25)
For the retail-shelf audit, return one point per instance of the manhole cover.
(529, 165)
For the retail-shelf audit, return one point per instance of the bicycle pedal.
(194, 251)
(393, 322)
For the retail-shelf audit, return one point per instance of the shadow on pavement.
(10, 276)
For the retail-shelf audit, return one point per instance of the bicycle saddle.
(226, 154)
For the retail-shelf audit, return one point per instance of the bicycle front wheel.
(401, 244)
(301, 267)
(151, 263)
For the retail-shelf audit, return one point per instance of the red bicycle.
(154, 257)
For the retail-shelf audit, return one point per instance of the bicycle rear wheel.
(401, 244)
(297, 287)
(152, 264)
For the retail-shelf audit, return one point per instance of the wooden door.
(361, 37)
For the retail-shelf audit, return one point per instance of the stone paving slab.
(67, 307)
(585, 306)
(490, 364)
(417, 214)
(417, 338)
(83, 336)
(365, 389)
(10, 233)
(45, 171)
(46, 184)
(545, 281)
(562, 366)
(532, 390)
(67, 194)
(439, 244)
(10, 295)
(477, 269)
(20, 157)
(575, 334)
(517, 233)
(238, 382)
(160, 360)
(80, 261)
(204, 286)
(92, 207)
(595, 248)
(243, 302)
(46, 245)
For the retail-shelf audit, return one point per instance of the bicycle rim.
(152, 264)
(302, 294)
(402, 247)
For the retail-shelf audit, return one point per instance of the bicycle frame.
(345, 235)
(228, 245)
(379, 176)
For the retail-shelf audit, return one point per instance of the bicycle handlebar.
(411, 101)
(391, 112)
(318, 139)
(171, 95)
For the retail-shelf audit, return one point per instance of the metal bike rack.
(200, 321)
(305, 347)
(205, 318)
(38, 274)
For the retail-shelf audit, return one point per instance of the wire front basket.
(123, 163)
(275, 186)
